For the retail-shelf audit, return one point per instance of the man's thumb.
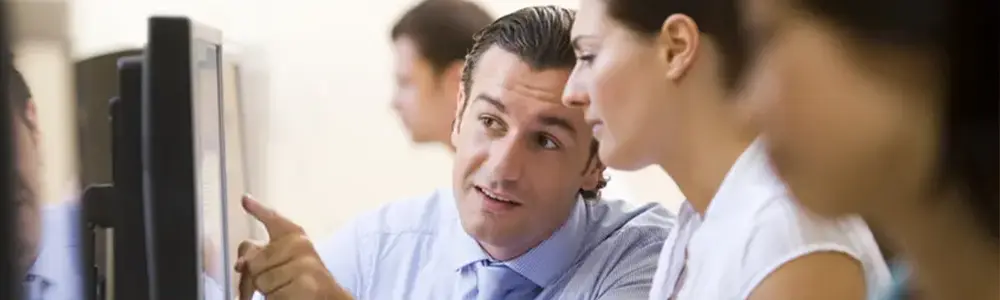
(245, 252)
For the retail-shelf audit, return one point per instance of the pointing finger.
(277, 225)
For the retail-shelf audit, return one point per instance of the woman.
(659, 81)
(861, 118)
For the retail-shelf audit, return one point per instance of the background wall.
(322, 143)
(42, 54)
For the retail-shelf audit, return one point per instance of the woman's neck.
(705, 157)
(950, 256)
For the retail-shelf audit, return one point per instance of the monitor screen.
(210, 166)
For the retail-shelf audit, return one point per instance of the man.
(49, 243)
(515, 225)
(429, 45)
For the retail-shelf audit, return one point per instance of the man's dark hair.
(718, 19)
(442, 30)
(540, 37)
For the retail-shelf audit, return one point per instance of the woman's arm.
(815, 276)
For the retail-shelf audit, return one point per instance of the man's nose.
(507, 159)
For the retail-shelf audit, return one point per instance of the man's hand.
(286, 268)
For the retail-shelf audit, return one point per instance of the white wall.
(41, 53)
(324, 144)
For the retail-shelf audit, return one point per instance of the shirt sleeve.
(342, 257)
(784, 234)
(633, 271)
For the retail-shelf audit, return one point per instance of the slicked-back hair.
(538, 35)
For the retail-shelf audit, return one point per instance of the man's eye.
(547, 143)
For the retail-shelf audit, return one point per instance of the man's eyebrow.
(493, 101)
(557, 122)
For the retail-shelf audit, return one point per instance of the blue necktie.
(498, 282)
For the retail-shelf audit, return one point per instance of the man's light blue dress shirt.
(417, 249)
(57, 272)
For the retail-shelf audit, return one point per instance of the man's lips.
(498, 195)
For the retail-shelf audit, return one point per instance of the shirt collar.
(542, 264)
(466, 250)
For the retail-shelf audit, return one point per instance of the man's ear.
(594, 175)
(679, 40)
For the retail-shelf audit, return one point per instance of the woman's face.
(849, 131)
(620, 81)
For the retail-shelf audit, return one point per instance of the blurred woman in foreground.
(882, 108)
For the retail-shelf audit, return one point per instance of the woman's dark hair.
(965, 36)
(719, 19)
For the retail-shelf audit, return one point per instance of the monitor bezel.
(171, 202)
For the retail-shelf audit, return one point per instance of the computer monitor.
(184, 162)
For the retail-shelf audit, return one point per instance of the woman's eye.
(586, 58)
(490, 123)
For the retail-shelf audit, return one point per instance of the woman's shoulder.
(783, 231)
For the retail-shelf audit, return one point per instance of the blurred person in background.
(50, 244)
(661, 83)
(889, 109)
(429, 44)
(522, 220)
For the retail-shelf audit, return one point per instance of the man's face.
(521, 156)
(422, 98)
(27, 193)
